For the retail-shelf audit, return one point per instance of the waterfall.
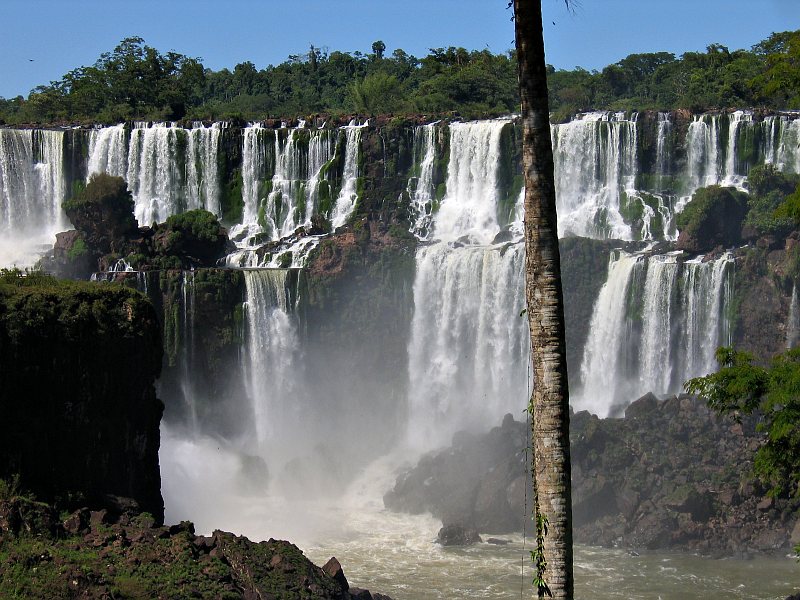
(732, 174)
(254, 164)
(469, 207)
(702, 149)
(783, 142)
(281, 215)
(202, 170)
(348, 195)
(108, 151)
(153, 175)
(663, 149)
(190, 394)
(420, 188)
(272, 361)
(321, 151)
(296, 183)
(285, 179)
(468, 350)
(32, 188)
(793, 324)
(596, 161)
(706, 291)
(469, 347)
(653, 336)
(609, 334)
(657, 303)
(168, 169)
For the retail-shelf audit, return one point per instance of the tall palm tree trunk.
(549, 404)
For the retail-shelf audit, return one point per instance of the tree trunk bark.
(549, 404)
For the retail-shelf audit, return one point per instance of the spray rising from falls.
(32, 189)
(272, 361)
(656, 323)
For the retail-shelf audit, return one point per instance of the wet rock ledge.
(670, 475)
(100, 554)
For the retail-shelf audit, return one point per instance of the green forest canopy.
(136, 81)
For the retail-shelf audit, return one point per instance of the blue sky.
(40, 40)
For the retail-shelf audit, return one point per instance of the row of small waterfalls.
(656, 321)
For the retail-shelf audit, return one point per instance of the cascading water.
(656, 323)
(595, 164)
(469, 348)
(32, 188)
(663, 149)
(284, 180)
(470, 206)
(108, 151)
(657, 302)
(188, 290)
(782, 142)
(601, 383)
(703, 152)
(420, 188)
(255, 159)
(168, 169)
(295, 185)
(706, 289)
(348, 195)
(153, 175)
(273, 360)
(733, 175)
(202, 170)
(793, 325)
(321, 151)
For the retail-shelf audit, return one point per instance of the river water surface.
(396, 554)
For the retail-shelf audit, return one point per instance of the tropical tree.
(549, 402)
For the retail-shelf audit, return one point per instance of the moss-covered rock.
(78, 402)
(712, 218)
(195, 237)
(93, 555)
(103, 213)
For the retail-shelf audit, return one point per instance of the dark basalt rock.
(458, 535)
(95, 555)
(712, 218)
(670, 475)
(78, 404)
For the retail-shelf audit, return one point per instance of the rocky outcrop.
(94, 554)
(107, 237)
(78, 405)
(627, 491)
(764, 278)
(458, 535)
(712, 218)
(480, 482)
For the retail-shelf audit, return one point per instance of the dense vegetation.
(136, 81)
(741, 388)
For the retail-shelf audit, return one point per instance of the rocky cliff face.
(78, 402)
(627, 490)
(355, 306)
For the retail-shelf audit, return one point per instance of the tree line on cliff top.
(136, 81)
